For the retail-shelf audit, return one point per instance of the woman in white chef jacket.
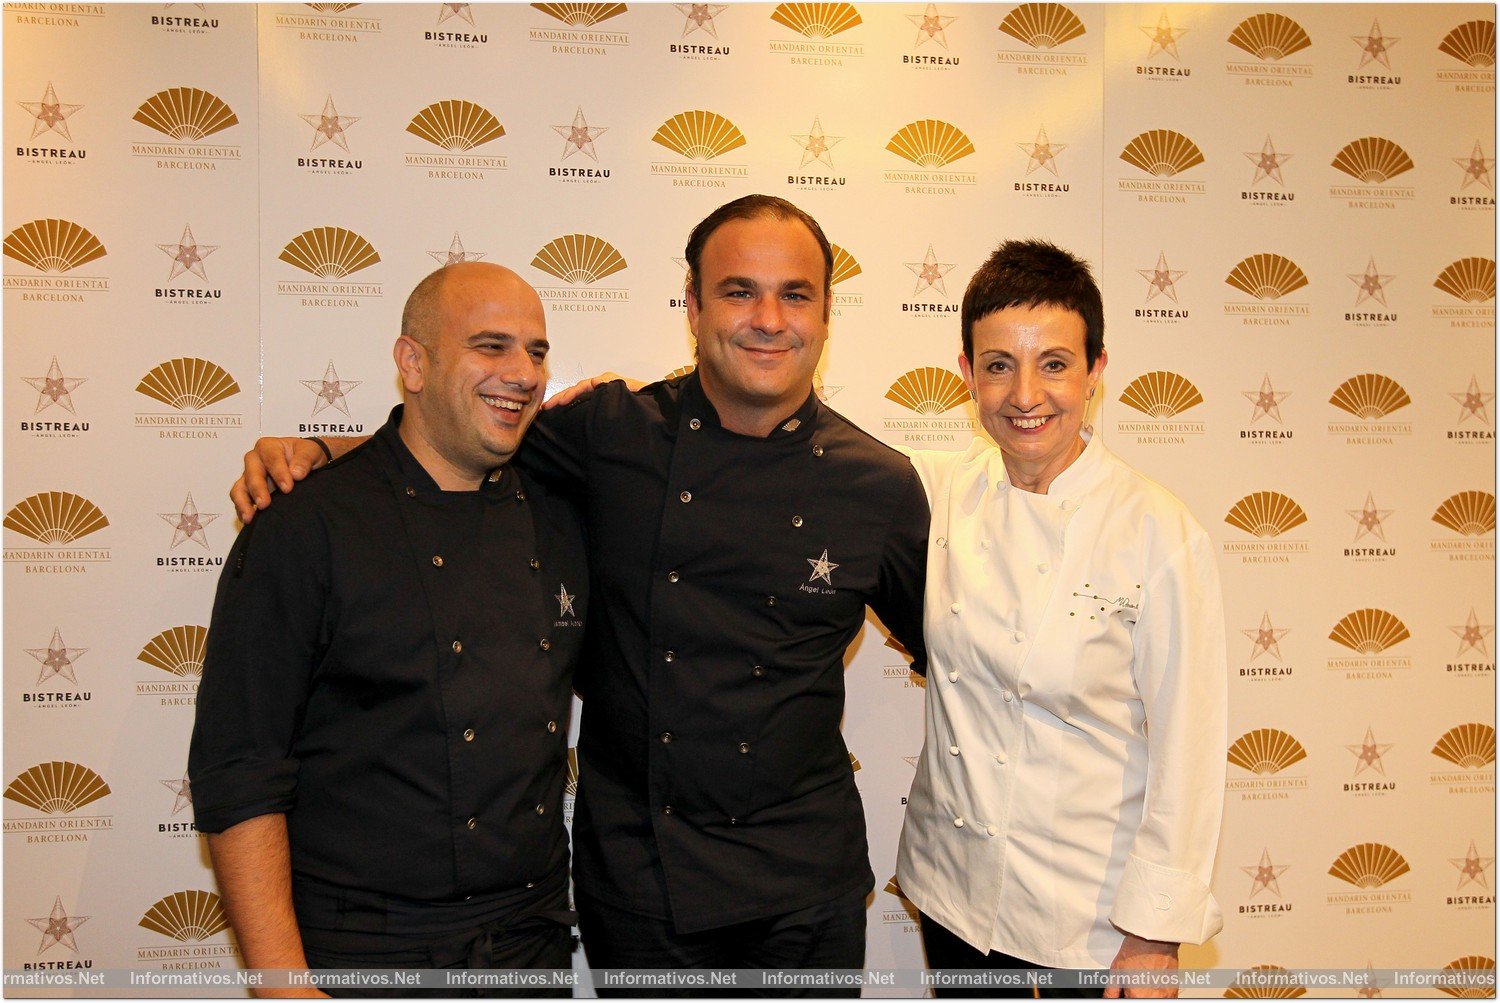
(1066, 807)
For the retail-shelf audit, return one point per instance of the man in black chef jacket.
(380, 745)
(738, 528)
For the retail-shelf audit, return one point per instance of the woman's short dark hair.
(1035, 273)
(751, 207)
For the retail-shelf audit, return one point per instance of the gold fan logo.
(1268, 516)
(328, 22)
(1469, 977)
(57, 791)
(699, 137)
(1266, 755)
(1468, 755)
(845, 267)
(1265, 982)
(56, 519)
(331, 254)
(1470, 516)
(1471, 44)
(1369, 867)
(1164, 155)
(581, 260)
(905, 913)
(1470, 281)
(1368, 633)
(1370, 397)
(1270, 280)
(54, 247)
(1161, 396)
(178, 652)
(579, 34)
(189, 388)
(456, 129)
(189, 917)
(930, 144)
(1374, 162)
(817, 24)
(1042, 28)
(189, 118)
(1269, 40)
(927, 393)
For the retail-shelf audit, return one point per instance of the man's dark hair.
(751, 207)
(1034, 273)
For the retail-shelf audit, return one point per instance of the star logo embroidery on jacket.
(564, 601)
(822, 568)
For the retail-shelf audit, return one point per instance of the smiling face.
(1032, 384)
(761, 317)
(475, 380)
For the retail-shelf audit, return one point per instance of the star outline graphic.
(1268, 163)
(930, 25)
(1477, 168)
(329, 126)
(1266, 401)
(1265, 875)
(1368, 755)
(1041, 153)
(58, 927)
(1472, 634)
(330, 391)
(1163, 37)
(1161, 280)
(564, 600)
(182, 791)
(700, 17)
(1472, 867)
(817, 146)
(1369, 521)
(54, 388)
(1374, 47)
(57, 658)
(579, 136)
(929, 272)
(1265, 639)
(187, 254)
(50, 114)
(822, 568)
(189, 524)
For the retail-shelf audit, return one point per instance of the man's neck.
(444, 474)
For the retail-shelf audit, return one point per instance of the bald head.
(454, 286)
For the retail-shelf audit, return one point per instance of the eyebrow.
(745, 282)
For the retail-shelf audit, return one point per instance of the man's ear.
(411, 363)
(693, 307)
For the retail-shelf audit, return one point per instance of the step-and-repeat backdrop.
(213, 215)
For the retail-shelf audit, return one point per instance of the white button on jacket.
(1112, 679)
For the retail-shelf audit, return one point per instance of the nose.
(770, 315)
(524, 372)
(1026, 390)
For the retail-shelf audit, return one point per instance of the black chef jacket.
(730, 574)
(389, 665)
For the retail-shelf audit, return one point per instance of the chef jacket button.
(437, 560)
(666, 738)
(552, 727)
(953, 677)
(1042, 568)
(958, 823)
(1000, 758)
(797, 521)
(411, 492)
(670, 656)
(535, 564)
(666, 809)
(744, 748)
(458, 646)
(494, 476)
(541, 809)
(694, 424)
(544, 644)
(957, 607)
(817, 450)
(686, 497)
(468, 734)
(1007, 695)
(984, 545)
(770, 600)
(473, 823)
(942, 541)
(672, 576)
(520, 496)
(952, 750)
(1019, 636)
(1066, 504)
(758, 671)
(990, 830)
(734, 821)
(529, 884)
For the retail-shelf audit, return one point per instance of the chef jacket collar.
(797, 425)
(498, 482)
(1076, 479)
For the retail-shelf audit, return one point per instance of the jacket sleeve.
(1181, 672)
(265, 638)
(555, 450)
(903, 570)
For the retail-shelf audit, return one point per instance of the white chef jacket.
(1072, 778)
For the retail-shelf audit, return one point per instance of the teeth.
(501, 402)
(1028, 422)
